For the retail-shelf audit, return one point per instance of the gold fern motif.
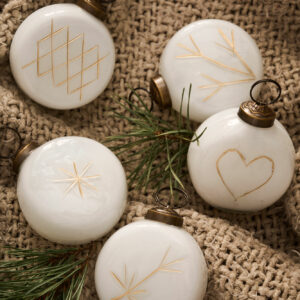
(246, 73)
(132, 288)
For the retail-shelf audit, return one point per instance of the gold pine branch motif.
(78, 59)
(132, 288)
(77, 179)
(217, 85)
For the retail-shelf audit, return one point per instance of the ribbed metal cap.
(22, 154)
(256, 112)
(92, 6)
(159, 92)
(165, 215)
(257, 115)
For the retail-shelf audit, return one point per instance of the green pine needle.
(42, 274)
(157, 147)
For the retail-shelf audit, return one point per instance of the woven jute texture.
(248, 256)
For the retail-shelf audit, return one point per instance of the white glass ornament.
(62, 56)
(71, 190)
(245, 159)
(218, 58)
(151, 259)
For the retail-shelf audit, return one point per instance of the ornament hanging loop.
(10, 142)
(134, 93)
(265, 81)
(160, 202)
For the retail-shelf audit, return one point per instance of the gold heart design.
(246, 165)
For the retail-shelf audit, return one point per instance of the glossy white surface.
(237, 166)
(56, 205)
(218, 58)
(151, 260)
(62, 57)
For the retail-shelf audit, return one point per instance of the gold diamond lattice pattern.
(66, 61)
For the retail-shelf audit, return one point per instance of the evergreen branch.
(43, 275)
(156, 149)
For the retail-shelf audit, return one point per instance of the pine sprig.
(157, 147)
(44, 275)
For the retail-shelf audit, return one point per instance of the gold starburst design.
(247, 74)
(52, 56)
(78, 179)
(131, 287)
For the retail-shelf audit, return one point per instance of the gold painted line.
(233, 42)
(85, 169)
(235, 52)
(89, 185)
(64, 180)
(195, 45)
(71, 60)
(98, 63)
(68, 37)
(38, 58)
(71, 186)
(81, 87)
(173, 262)
(91, 177)
(75, 169)
(221, 84)
(210, 78)
(246, 164)
(219, 172)
(118, 280)
(82, 64)
(165, 255)
(62, 45)
(131, 281)
(49, 35)
(67, 172)
(125, 274)
(78, 73)
(225, 38)
(228, 49)
(224, 66)
(188, 56)
(29, 64)
(245, 64)
(131, 290)
(188, 49)
(212, 94)
(52, 57)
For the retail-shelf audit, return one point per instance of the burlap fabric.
(248, 256)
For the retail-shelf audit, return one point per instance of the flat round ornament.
(245, 159)
(218, 58)
(62, 56)
(71, 190)
(152, 259)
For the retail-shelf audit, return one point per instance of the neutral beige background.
(249, 256)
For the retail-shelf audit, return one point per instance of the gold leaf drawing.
(243, 159)
(132, 288)
(78, 59)
(217, 85)
(76, 179)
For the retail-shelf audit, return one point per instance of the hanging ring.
(133, 93)
(186, 197)
(17, 139)
(263, 81)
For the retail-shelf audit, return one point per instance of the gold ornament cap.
(92, 6)
(165, 215)
(257, 113)
(22, 154)
(159, 92)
